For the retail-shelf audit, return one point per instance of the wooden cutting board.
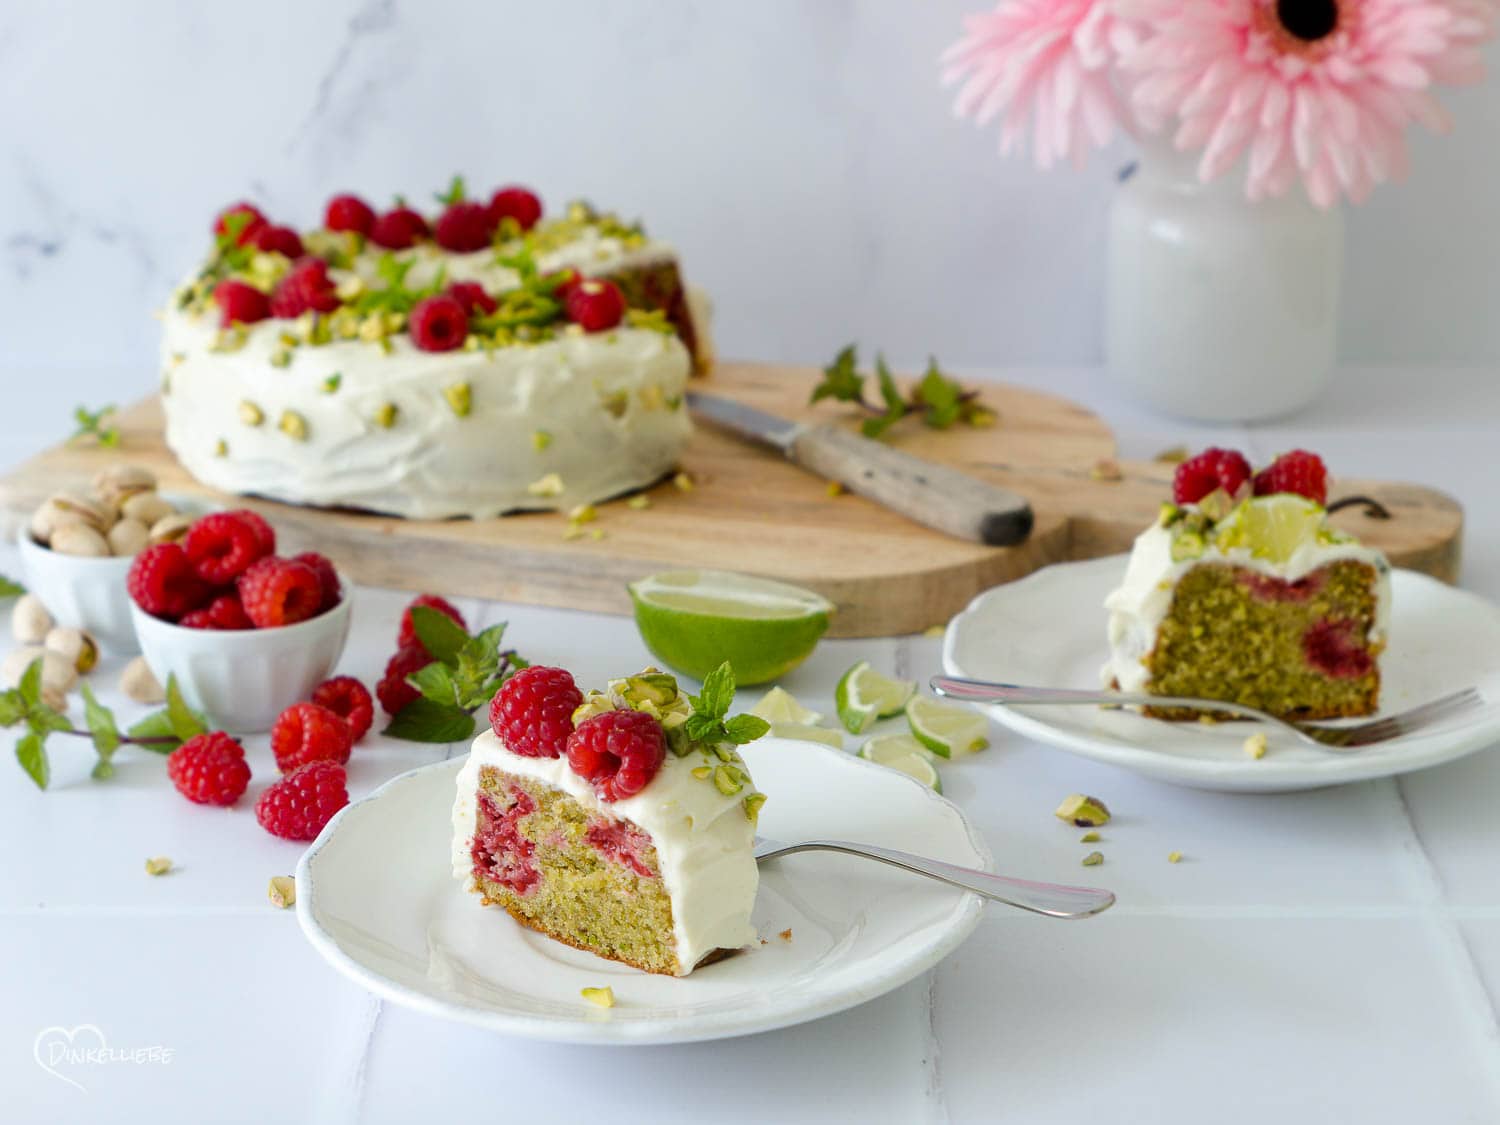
(749, 510)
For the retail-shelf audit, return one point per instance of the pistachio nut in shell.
(148, 507)
(169, 529)
(80, 539)
(29, 620)
(73, 645)
(128, 537)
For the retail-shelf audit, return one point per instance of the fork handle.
(1052, 899)
(982, 691)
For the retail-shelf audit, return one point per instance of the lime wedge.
(694, 620)
(806, 732)
(781, 706)
(864, 695)
(1273, 527)
(946, 729)
(902, 752)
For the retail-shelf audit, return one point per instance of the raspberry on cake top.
(1242, 590)
(621, 822)
(484, 361)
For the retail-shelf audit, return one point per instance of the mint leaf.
(103, 770)
(10, 588)
(745, 728)
(703, 728)
(422, 720)
(43, 720)
(942, 397)
(441, 636)
(186, 723)
(30, 686)
(435, 682)
(154, 727)
(841, 381)
(454, 194)
(12, 708)
(95, 424)
(717, 694)
(890, 394)
(32, 754)
(101, 724)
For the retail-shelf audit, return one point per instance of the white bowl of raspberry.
(244, 640)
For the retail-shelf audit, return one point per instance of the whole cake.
(622, 823)
(477, 362)
(1242, 591)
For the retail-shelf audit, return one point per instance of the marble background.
(801, 155)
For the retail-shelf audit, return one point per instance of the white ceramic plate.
(1048, 629)
(376, 896)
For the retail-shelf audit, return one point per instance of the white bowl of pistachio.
(79, 545)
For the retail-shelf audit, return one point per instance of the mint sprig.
(97, 425)
(162, 731)
(937, 398)
(463, 676)
(709, 722)
(397, 296)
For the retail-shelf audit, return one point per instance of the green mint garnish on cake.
(937, 398)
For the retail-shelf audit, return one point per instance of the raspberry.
(464, 227)
(532, 713)
(222, 547)
(328, 578)
(471, 295)
(393, 691)
(209, 769)
(306, 288)
(564, 282)
(350, 700)
(280, 592)
(224, 613)
(306, 732)
(399, 229)
(438, 324)
(163, 582)
(240, 303)
(262, 528)
(408, 634)
(617, 752)
(515, 203)
(349, 212)
(1213, 468)
(278, 240)
(248, 231)
(301, 803)
(596, 304)
(1298, 471)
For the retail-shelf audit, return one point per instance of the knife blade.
(931, 494)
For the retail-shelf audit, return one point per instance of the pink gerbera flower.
(1321, 90)
(1047, 61)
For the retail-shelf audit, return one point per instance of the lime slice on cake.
(864, 695)
(902, 752)
(694, 620)
(946, 729)
(1273, 527)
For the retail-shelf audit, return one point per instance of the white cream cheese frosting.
(1143, 599)
(704, 840)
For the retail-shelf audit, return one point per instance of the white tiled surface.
(1317, 957)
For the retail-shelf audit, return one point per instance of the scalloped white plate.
(376, 896)
(1049, 628)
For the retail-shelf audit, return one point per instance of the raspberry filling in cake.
(1243, 591)
(621, 822)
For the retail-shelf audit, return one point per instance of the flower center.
(1308, 20)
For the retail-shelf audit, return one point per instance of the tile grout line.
(342, 1095)
(1478, 1004)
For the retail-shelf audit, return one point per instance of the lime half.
(694, 620)
(781, 706)
(864, 695)
(806, 732)
(1273, 527)
(903, 752)
(946, 729)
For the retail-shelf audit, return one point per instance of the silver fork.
(1340, 738)
(1055, 900)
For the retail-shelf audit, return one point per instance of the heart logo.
(57, 1046)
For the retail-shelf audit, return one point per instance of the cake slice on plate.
(621, 823)
(1242, 591)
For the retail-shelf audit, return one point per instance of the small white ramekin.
(242, 679)
(81, 592)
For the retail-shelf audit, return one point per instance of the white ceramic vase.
(1218, 309)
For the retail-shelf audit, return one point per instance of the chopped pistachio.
(684, 481)
(372, 328)
(350, 287)
(1170, 513)
(935, 631)
(1187, 545)
(331, 383)
(1216, 505)
(1174, 857)
(982, 418)
(753, 803)
(650, 687)
(221, 448)
(281, 357)
(639, 503)
(282, 891)
(385, 415)
(726, 782)
(573, 531)
(158, 865)
(459, 397)
(1085, 812)
(603, 997)
(615, 404)
(1174, 455)
(250, 414)
(584, 513)
(703, 773)
(293, 425)
(1089, 838)
(836, 489)
(540, 440)
(1093, 859)
(549, 485)
(1106, 469)
(1255, 745)
(289, 339)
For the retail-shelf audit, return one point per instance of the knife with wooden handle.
(931, 494)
